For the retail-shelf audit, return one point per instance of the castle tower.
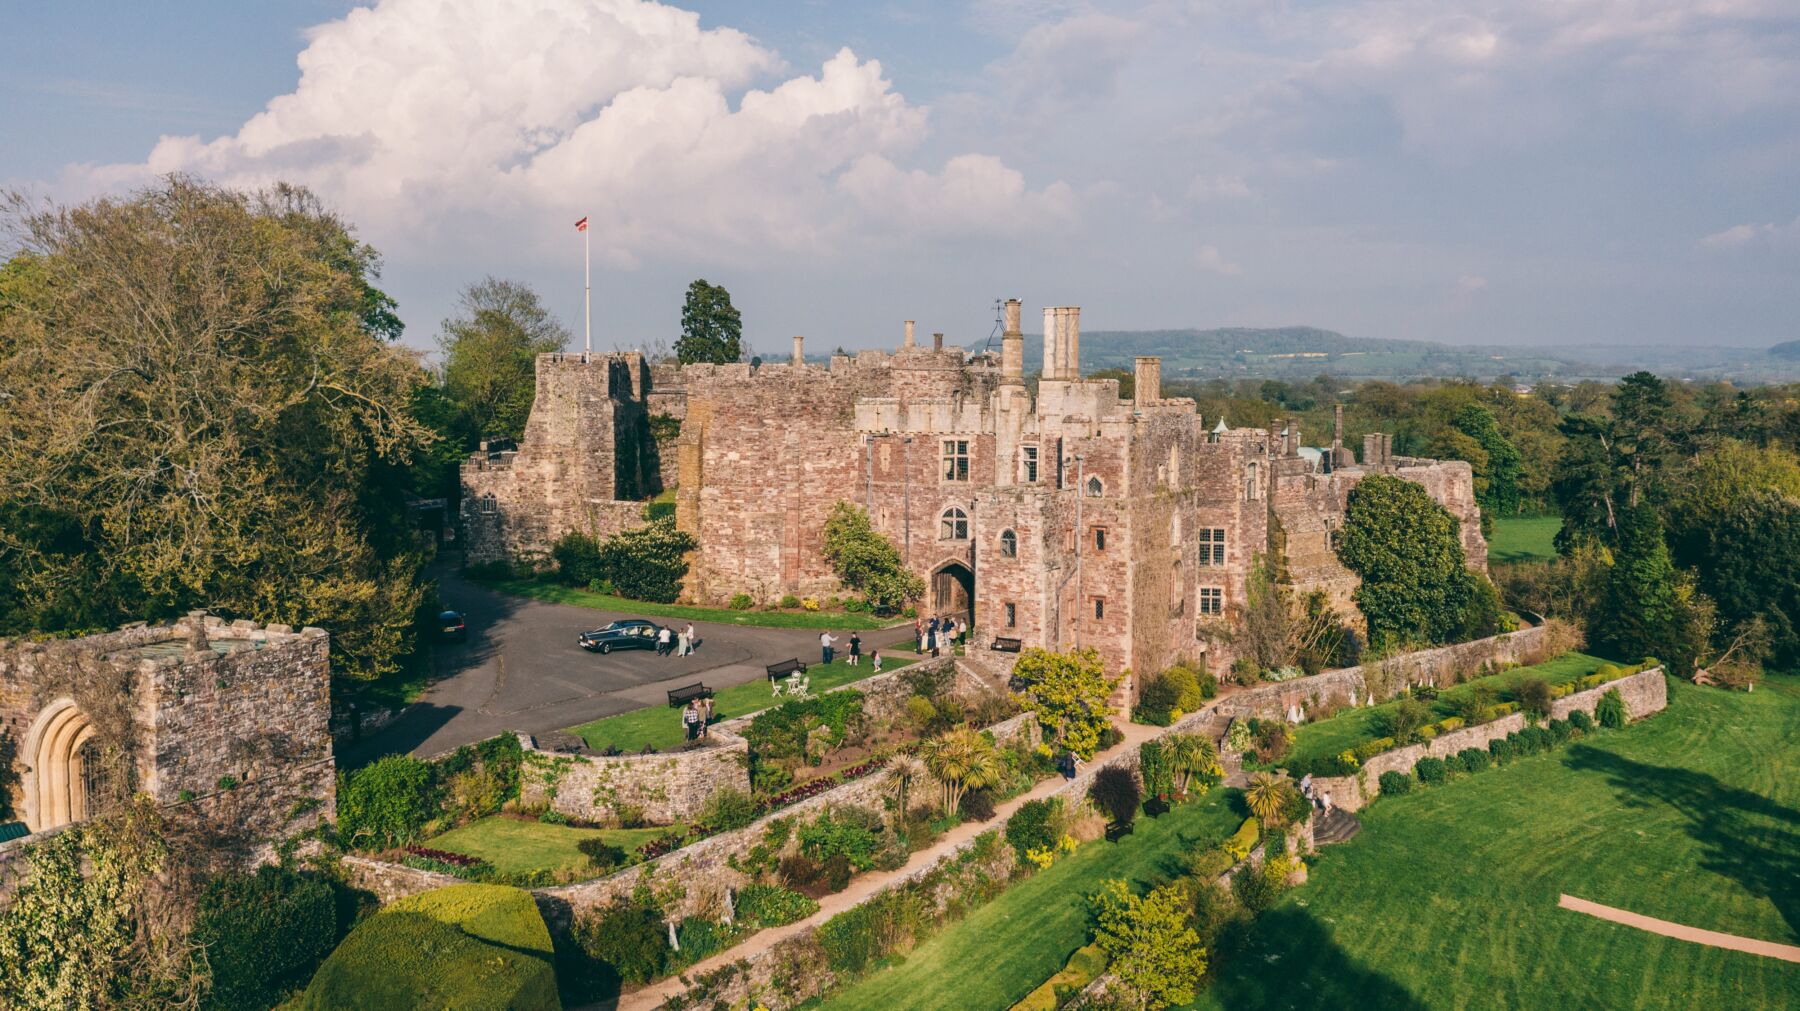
(1012, 347)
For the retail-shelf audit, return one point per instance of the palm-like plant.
(906, 771)
(961, 760)
(1194, 760)
(1266, 795)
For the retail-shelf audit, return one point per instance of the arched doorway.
(953, 591)
(62, 764)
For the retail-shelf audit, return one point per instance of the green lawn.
(1354, 726)
(1448, 897)
(556, 593)
(1523, 538)
(1004, 949)
(516, 846)
(661, 726)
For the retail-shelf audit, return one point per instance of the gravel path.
(1768, 949)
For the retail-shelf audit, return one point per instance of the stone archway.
(953, 590)
(57, 775)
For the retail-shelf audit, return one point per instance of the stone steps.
(1335, 826)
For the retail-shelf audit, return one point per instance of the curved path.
(1768, 949)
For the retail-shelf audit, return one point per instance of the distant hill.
(1787, 351)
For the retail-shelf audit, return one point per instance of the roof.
(1220, 427)
(11, 830)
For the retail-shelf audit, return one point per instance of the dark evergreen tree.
(711, 329)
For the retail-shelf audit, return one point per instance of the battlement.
(195, 638)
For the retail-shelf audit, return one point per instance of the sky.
(1533, 172)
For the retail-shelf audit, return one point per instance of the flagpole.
(587, 293)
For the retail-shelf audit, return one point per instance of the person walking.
(825, 641)
(706, 717)
(918, 635)
(688, 650)
(875, 660)
(690, 720)
(855, 650)
(681, 644)
(662, 641)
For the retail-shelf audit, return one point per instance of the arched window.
(1009, 544)
(954, 526)
(1094, 487)
(1252, 490)
(489, 505)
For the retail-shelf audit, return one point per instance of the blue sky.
(1475, 171)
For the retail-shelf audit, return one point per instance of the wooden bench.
(679, 697)
(1005, 645)
(784, 668)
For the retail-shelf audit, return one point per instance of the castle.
(1068, 518)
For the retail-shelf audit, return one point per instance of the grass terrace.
(1448, 897)
(661, 726)
(556, 593)
(1344, 731)
(1524, 538)
(515, 845)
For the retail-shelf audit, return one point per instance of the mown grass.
(1003, 950)
(517, 846)
(1523, 538)
(1352, 727)
(556, 593)
(1448, 898)
(661, 725)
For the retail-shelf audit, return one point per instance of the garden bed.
(516, 844)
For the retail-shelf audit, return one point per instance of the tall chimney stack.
(1012, 347)
(1337, 430)
(1149, 380)
(909, 334)
(799, 351)
(1051, 369)
(1072, 347)
(937, 342)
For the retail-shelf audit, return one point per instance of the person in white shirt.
(687, 638)
(662, 642)
(825, 641)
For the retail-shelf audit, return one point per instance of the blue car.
(452, 627)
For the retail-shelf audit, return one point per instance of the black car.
(632, 633)
(452, 626)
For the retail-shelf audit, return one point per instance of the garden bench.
(785, 667)
(1003, 644)
(679, 697)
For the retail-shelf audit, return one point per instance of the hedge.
(264, 933)
(1082, 968)
(470, 947)
(1243, 840)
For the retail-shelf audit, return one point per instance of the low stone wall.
(661, 789)
(1645, 693)
(391, 881)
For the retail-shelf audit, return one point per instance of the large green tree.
(1416, 586)
(1497, 479)
(1069, 693)
(711, 329)
(203, 410)
(1647, 610)
(867, 562)
(490, 355)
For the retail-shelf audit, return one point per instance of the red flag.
(581, 226)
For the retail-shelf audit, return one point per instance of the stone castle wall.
(663, 788)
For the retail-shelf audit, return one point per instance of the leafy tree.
(1405, 547)
(1587, 487)
(961, 760)
(1643, 613)
(263, 933)
(1154, 952)
(648, 562)
(1497, 479)
(203, 410)
(490, 354)
(1069, 693)
(867, 562)
(711, 329)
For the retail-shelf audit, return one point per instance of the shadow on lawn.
(1285, 958)
(1748, 837)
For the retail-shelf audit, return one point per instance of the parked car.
(451, 622)
(632, 633)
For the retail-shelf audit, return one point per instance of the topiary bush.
(1395, 783)
(1561, 731)
(1157, 702)
(386, 803)
(1501, 748)
(1609, 712)
(264, 934)
(1431, 771)
(1475, 759)
(473, 947)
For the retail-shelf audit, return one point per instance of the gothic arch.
(54, 784)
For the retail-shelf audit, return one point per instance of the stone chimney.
(1337, 431)
(909, 334)
(1293, 446)
(1052, 370)
(197, 639)
(937, 342)
(1071, 359)
(1149, 380)
(799, 351)
(1012, 347)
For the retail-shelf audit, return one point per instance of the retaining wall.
(661, 788)
(1645, 693)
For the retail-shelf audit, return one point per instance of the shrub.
(1534, 698)
(1158, 701)
(976, 805)
(728, 808)
(648, 562)
(789, 601)
(1431, 771)
(1448, 724)
(1209, 686)
(604, 855)
(1537, 740)
(849, 939)
(741, 602)
(464, 946)
(772, 906)
(1402, 720)
(1188, 695)
(577, 558)
(1561, 731)
(1395, 783)
(1474, 706)
(1155, 953)
(842, 833)
(1610, 710)
(1255, 892)
(263, 933)
(1206, 865)
(1243, 840)
(1115, 792)
(1272, 740)
(866, 561)
(698, 938)
(1153, 766)
(1369, 749)
(1581, 721)
(1502, 750)
(628, 937)
(1475, 759)
(386, 803)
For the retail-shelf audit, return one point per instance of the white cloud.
(432, 120)
(1074, 60)
(1747, 234)
(1210, 260)
(1218, 187)
(1463, 293)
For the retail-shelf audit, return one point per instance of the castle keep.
(1064, 516)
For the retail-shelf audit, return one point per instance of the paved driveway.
(522, 670)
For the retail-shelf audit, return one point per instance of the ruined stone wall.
(662, 788)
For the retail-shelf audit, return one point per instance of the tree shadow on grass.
(1285, 958)
(1747, 837)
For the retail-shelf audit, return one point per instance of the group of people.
(1319, 799)
(697, 717)
(828, 649)
(669, 641)
(934, 635)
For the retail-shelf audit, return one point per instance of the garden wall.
(1645, 693)
(660, 789)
